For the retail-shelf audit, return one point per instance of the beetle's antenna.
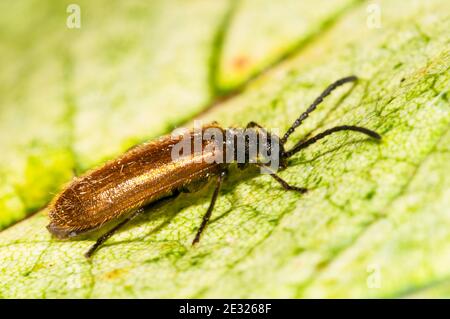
(314, 105)
(305, 143)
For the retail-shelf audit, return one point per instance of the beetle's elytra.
(139, 177)
(121, 187)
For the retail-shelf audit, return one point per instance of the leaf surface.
(375, 222)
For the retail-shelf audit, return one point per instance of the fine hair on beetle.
(178, 162)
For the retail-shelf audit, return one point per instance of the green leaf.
(375, 222)
(263, 32)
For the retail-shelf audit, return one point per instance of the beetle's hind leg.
(111, 232)
(282, 182)
(208, 213)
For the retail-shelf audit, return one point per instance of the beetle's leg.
(282, 182)
(207, 216)
(111, 232)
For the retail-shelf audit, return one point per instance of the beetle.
(120, 188)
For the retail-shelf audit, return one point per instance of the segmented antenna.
(314, 105)
(303, 144)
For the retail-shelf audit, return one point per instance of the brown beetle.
(122, 187)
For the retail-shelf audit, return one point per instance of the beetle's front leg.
(281, 181)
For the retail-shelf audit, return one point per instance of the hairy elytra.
(142, 175)
(146, 173)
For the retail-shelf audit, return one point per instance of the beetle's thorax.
(253, 145)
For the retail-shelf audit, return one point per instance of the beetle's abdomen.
(139, 177)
